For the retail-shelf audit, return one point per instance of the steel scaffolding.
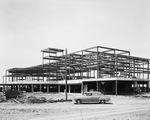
(95, 62)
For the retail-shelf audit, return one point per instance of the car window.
(96, 94)
(88, 94)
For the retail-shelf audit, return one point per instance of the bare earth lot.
(120, 108)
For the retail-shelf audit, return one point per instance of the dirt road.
(120, 108)
(98, 111)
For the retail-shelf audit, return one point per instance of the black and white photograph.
(74, 59)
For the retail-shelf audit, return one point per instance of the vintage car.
(33, 99)
(91, 97)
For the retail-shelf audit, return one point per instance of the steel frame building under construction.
(111, 70)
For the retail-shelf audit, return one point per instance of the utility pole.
(66, 73)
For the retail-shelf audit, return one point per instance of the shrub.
(11, 94)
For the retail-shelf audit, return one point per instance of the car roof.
(93, 92)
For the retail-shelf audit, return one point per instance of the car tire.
(102, 101)
(78, 101)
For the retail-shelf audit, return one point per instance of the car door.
(95, 97)
(87, 98)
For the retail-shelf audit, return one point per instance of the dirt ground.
(120, 108)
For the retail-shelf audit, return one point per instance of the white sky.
(28, 26)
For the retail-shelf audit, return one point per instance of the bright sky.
(28, 26)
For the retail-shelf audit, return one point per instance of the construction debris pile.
(2, 97)
(23, 97)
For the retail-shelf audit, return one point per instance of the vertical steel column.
(3, 88)
(18, 78)
(69, 67)
(32, 88)
(12, 78)
(87, 73)
(47, 88)
(82, 87)
(134, 67)
(148, 70)
(116, 91)
(18, 87)
(148, 87)
(6, 76)
(98, 69)
(56, 70)
(74, 73)
(26, 78)
(148, 76)
(40, 88)
(129, 65)
(43, 64)
(97, 86)
(81, 75)
(94, 73)
(114, 64)
(137, 69)
(69, 88)
(49, 66)
(143, 70)
(3, 79)
(58, 88)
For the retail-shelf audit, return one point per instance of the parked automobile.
(33, 99)
(91, 97)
